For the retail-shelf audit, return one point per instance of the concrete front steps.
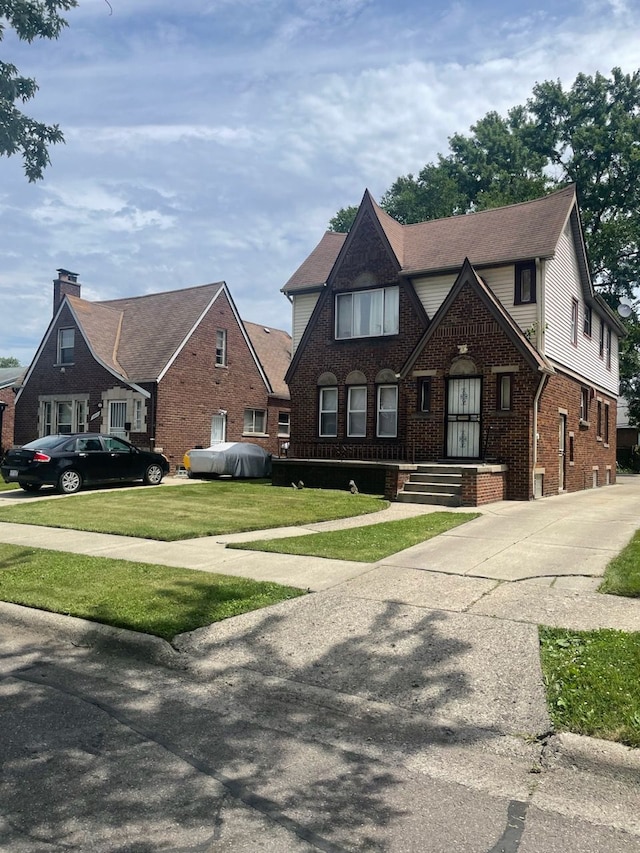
(440, 485)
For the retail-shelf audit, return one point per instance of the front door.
(118, 418)
(218, 428)
(562, 453)
(463, 417)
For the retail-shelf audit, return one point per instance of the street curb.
(83, 632)
(594, 756)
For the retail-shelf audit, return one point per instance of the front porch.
(440, 483)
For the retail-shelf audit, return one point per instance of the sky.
(211, 140)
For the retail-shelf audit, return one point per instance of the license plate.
(13, 472)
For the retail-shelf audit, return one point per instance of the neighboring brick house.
(169, 371)
(10, 380)
(475, 342)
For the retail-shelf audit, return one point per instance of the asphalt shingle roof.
(517, 232)
(273, 348)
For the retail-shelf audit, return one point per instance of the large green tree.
(19, 133)
(9, 361)
(588, 134)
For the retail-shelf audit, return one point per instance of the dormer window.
(367, 313)
(66, 338)
(525, 284)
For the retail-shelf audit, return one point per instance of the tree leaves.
(20, 134)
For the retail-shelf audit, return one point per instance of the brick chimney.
(65, 284)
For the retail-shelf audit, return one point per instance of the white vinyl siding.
(562, 286)
(433, 291)
(302, 309)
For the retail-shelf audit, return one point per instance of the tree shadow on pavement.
(292, 731)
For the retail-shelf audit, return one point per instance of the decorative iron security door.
(463, 417)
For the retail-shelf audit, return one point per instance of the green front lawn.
(142, 597)
(622, 575)
(4, 487)
(188, 511)
(593, 682)
(366, 544)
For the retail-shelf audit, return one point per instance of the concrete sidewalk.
(538, 562)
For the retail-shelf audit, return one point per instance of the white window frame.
(325, 411)
(49, 414)
(349, 312)
(380, 412)
(353, 411)
(251, 417)
(505, 387)
(137, 416)
(221, 347)
(284, 424)
(66, 347)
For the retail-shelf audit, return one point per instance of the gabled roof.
(469, 276)
(10, 376)
(152, 327)
(313, 272)
(517, 232)
(273, 348)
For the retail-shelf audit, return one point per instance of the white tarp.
(231, 458)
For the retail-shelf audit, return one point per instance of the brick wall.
(322, 352)
(8, 416)
(85, 375)
(562, 394)
(194, 389)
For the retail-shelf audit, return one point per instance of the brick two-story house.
(169, 371)
(475, 343)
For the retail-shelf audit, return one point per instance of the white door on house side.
(218, 428)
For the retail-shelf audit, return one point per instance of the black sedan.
(70, 461)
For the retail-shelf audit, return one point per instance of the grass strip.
(5, 487)
(169, 513)
(622, 575)
(366, 544)
(592, 680)
(152, 599)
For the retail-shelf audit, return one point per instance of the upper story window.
(586, 328)
(367, 313)
(66, 339)
(608, 348)
(574, 322)
(525, 284)
(601, 339)
(221, 348)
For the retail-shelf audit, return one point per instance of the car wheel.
(30, 487)
(69, 482)
(153, 475)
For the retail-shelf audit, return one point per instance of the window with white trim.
(255, 421)
(328, 426)
(367, 313)
(387, 411)
(608, 349)
(357, 411)
(574, 322)
(584, 404)
(284, 423)
(66, 342)
(137, 420)
(221, 347)
(62, 416)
